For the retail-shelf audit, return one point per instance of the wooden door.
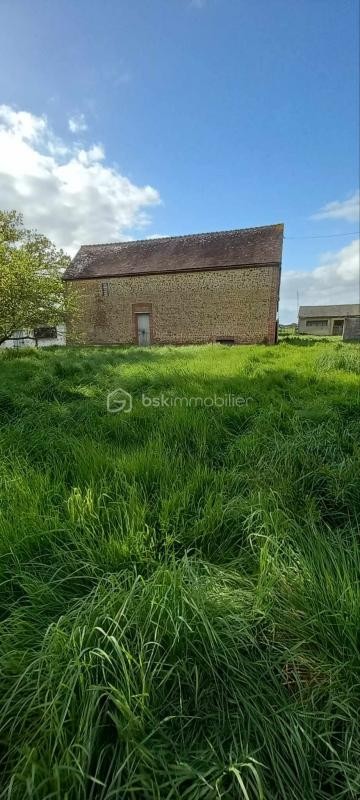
(338, 327)
(143, 329)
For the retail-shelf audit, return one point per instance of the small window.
(18, 343)
(316, 323)
(105, 289)
(225, 340)
(45, 333)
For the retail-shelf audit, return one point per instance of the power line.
(323, 236)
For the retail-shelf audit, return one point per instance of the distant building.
(40, 337)
(208, 287)
(326, 320)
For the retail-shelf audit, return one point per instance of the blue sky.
(177, 116)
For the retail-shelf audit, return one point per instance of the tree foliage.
(32, 292)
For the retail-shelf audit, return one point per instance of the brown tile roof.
(196, 252)
(349, 310)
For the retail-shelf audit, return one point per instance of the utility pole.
(297, 306)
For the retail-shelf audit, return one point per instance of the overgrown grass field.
(180, 596)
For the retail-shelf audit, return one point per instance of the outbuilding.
(326, 320)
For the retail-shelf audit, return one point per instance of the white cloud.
(95, 153)
(77, 123)
(70, 194)
(24, 125)
(348, 210)
(335, 280)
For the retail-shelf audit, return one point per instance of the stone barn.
(209, 287)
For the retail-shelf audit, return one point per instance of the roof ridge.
(183, 236)
(329, 305)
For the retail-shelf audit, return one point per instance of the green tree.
(32, 292)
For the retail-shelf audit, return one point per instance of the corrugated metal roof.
(347, 310)
(196, 252)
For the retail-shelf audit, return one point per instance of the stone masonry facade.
(185, 307)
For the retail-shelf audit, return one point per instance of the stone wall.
(188, 307)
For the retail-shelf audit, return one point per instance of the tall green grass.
(180, 587)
